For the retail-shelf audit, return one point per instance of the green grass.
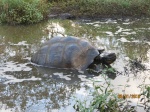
(22, 11)
(104, 8)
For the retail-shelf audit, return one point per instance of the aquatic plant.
(22, 11)
(104, 99)
(145, 96)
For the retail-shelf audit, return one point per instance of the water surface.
(25, 87)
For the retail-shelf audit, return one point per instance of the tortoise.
(71, 52)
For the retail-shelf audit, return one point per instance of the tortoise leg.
(94, 67)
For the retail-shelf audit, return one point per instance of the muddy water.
(25, 87)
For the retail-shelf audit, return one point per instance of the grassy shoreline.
(102, 8)
(33, 11)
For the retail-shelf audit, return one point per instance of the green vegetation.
(145, 96)
(103, 8)
(32, 11)
(22, 11)
(106, 100)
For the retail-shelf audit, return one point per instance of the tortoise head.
(107, 58)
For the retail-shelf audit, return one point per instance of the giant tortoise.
(71, 52)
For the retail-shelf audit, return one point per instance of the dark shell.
(66, 52)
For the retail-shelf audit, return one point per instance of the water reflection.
(54, 29)
(28, 88)
(27, 94)
(49, 88)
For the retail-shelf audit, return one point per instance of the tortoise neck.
(97, 60)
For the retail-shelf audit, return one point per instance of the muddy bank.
(101, 9)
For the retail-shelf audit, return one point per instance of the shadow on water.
(68, 76)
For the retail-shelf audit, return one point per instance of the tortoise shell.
(66, 52)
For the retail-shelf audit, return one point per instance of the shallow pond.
(25, 87)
